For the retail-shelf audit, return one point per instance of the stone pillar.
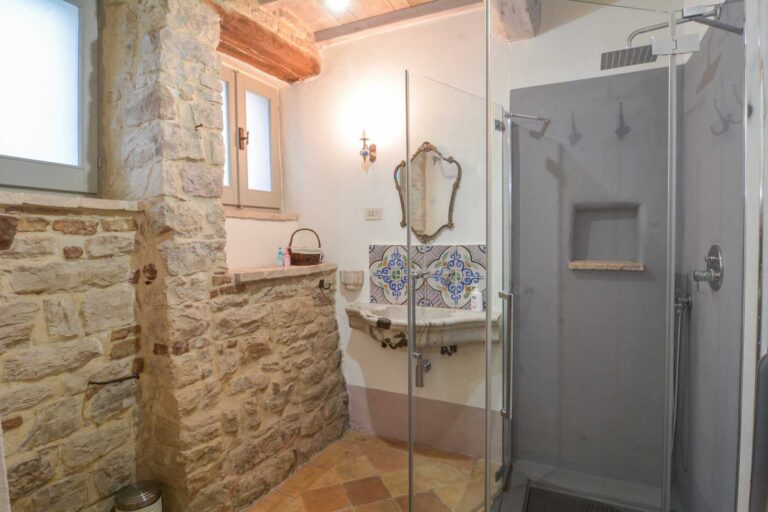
(162, 144)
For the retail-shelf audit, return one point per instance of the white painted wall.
(254, 243)
(362, 86)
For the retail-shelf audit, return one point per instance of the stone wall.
(162, 143)
(239, 381)
(67, 317)
(278, 393)
(212, 445)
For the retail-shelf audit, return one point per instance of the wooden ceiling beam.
(400, 15)
(247, 40)
(516, 19)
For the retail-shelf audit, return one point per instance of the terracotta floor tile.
(326, 499)
(379, 506)
(441, 475)
(397, 482)
(301, 480)
(366, 490)
(297, 505)
(451, 495)
(335, 453)
(355, 469)
(275, 501)
(426, 454)
(423, 502)
(329, 478)
(362, 472)
(385, 460)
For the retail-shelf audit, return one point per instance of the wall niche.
(605, 236)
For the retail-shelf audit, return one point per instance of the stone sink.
(435, 327)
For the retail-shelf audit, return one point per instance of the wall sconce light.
(368, 152)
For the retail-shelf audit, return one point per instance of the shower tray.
(543, 500)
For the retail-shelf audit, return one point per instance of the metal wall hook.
(623, 129)
(323, 285)
(575, 136)
(725, 120)
(739, 119)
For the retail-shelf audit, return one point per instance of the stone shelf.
(248, 275)
(625, 266)
(60, 202)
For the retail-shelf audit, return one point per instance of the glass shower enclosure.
(623, 204)
(614, 187)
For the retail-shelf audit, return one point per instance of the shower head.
(633, 55)
(627, 57)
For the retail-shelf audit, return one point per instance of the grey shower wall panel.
(590, 345)
(711, 211)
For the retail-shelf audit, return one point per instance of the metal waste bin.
(143, 496)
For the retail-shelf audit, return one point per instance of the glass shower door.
(445, 179)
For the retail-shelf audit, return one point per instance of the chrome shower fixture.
(713, 274)
(634, 55)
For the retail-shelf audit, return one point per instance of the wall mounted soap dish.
(352, 279)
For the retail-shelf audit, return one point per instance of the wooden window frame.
(238, 194)
(229, 194)
(83, 178)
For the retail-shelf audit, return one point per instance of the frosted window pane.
(39, 94)
(259, 146)
(227, 135)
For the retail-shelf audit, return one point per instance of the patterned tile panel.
(448, 274)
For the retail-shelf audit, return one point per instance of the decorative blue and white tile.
(388, 266)
(453, 272)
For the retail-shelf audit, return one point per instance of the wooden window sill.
(233, 212)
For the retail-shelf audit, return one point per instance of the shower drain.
(542, 500)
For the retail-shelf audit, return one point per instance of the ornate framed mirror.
(434, 184)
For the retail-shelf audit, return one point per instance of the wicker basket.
(305, 255)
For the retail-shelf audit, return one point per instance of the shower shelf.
(624, 266)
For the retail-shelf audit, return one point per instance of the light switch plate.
(373, 214)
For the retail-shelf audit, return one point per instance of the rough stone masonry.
(67, 317)
(239, 382)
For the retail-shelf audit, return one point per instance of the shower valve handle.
(704, 275)
(715, 269)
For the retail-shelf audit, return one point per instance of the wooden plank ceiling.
(318, 16)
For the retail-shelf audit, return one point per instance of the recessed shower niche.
(605, 236)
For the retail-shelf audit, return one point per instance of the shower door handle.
(506, 353)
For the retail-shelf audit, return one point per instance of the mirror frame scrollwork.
(426, 147)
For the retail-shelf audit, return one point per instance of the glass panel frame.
(26, 173)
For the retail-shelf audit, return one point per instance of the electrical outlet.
(373, 214)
